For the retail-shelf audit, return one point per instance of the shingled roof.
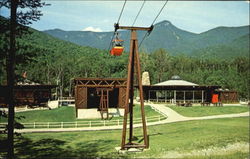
(176, 81)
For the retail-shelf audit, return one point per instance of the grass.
(62, 114)
(181, 137)
(67, 114)
(198, 111)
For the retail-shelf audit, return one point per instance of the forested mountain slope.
(48, 60)
(166, 35)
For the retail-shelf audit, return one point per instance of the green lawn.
(198, 111)
(64, 114)
(67, 114)
(181, 137)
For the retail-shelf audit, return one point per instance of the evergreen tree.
(15, 28)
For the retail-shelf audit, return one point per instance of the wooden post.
(104, 101)
(141, 96)
(193, 96)
(107, 91)
(149, 95)
(134, 62)
(184, 96)
(165, 97)
(174, 96)
(156, 92)
(202, 96)
(131, 87)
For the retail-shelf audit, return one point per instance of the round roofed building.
(178, 90)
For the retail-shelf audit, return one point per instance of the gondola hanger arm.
(117, 26)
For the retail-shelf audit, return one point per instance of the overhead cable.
(159, 12)
(117, 23)
(139, 12)
(111, 40)
(147, 33)
(137, 16)
(121, 11)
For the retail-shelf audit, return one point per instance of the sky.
(193, 16)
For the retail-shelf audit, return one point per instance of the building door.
(81, 97)
(122, 97)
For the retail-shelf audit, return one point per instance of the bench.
(188, 104)
(220, 104)
(205, 104)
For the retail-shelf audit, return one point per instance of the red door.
(215, 98)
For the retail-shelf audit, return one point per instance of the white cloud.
(92, 29)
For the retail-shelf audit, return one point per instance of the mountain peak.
(55, 30)
(164, 23)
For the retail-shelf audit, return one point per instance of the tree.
(29, 12)
(161, 60)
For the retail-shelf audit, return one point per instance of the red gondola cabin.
(117, 51)
(117, 47)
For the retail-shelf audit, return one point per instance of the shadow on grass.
(142, 139)
(54, 148)
(3, 146)
(44, 148)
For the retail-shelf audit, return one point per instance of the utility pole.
(11, 79)
(134, 62)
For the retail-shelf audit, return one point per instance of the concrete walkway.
(171, 115)
(168, 112)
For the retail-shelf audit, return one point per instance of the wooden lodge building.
(27, 94)
(228, 96)
(95, 95)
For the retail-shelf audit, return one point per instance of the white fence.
(79, 124)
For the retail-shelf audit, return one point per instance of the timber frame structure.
(104, 101)
(134, 68)
(100, 93)
(100, 82)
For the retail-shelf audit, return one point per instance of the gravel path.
(171, 115)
